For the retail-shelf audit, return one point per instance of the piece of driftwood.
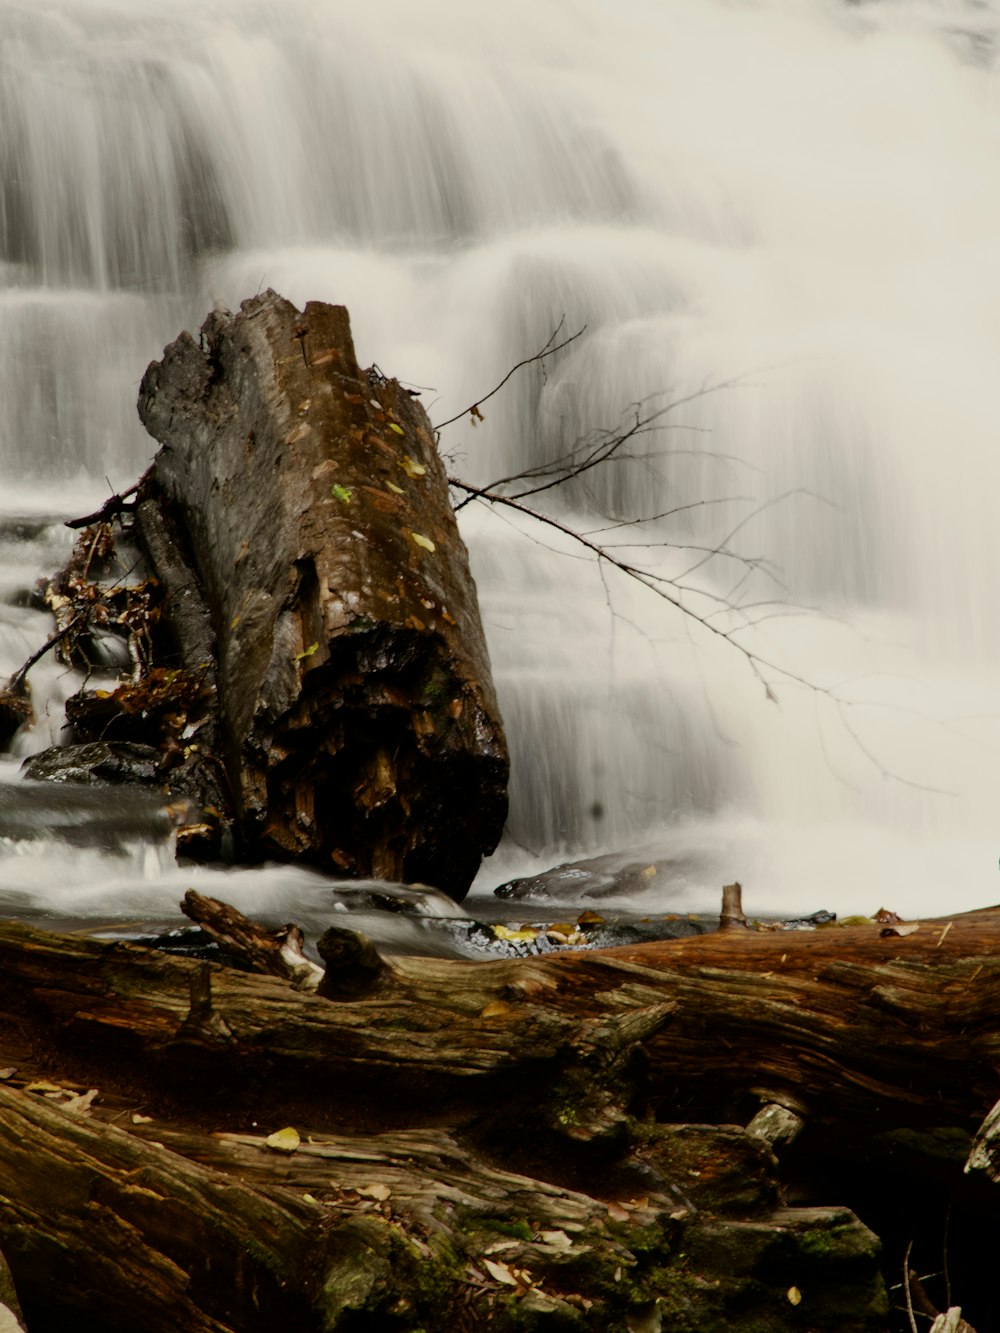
(278, 953)
(298, 516)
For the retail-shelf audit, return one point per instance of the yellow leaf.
(425, 542)
(283, 1140)
(398, 429)
(794, 1296)
(396, 490)
(412, 468)
(515, 936)
(44, 1086)
(307, 652)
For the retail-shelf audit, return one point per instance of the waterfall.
(782, 215)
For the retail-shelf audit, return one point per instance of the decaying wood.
(544, 1070)
(732, 916)
(303, 501)
(896, 1029)
(277, 952)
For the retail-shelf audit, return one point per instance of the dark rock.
(598, 878)
(96, 762)
(16, 711)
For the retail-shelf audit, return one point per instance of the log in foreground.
(491, 1145)
(298, 516)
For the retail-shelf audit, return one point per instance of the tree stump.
(308, 510)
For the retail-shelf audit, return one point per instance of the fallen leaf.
(396, 490)
(411, 467)
(307, 652)
(138, 1119)
(44, 1087)
(81, 1103)
(398, 429)
(515, 936)
(904, 928)
(794, 1296)
(309, 1198)
(617, 1213)
(341, 493)
(500, 1272)
(557, 1239)
(590, 919)
(378, 1192)
(283, 1140)
(498, 1009)
(425, 542)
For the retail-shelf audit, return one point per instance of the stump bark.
(298, 516)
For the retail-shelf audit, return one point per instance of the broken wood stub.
(358, 716)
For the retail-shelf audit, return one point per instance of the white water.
(799, 195)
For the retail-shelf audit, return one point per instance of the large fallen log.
(560, 1080)
(298, 516)
(898, 1030)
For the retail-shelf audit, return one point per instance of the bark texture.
(165, 1198)
(298, 515)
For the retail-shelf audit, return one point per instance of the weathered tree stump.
(298, 515)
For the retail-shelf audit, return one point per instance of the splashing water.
(795, 200)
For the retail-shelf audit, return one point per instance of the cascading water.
(795, 201)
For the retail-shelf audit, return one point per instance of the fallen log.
(561, 1081)
(846, 1021)
(298, 516)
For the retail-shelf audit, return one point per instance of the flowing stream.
(780, 216)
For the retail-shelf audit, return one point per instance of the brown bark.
(842, 1022)
(304, 500)
(545, 1200)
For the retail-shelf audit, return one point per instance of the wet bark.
(298, 516)
(552, 1199)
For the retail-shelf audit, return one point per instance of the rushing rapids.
(784, 214)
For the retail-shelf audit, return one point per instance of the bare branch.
(549, 349)
(17, 679)
(660, 584)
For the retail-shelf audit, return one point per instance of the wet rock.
(95, 762)
(598, 877)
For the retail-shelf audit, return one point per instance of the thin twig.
(112, 508)
(906, 1288)
(17, 680)
(546, 351)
